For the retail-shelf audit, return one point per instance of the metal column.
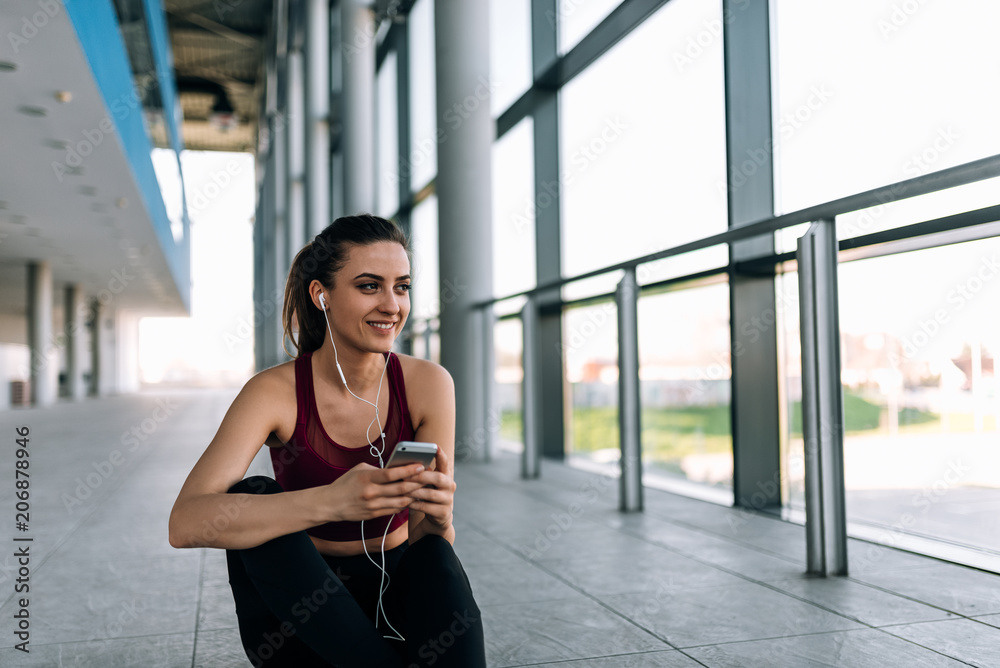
(492, 415)
(822, 401)
(629, 402)
(530, 400)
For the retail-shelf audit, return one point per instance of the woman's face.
(371, 296)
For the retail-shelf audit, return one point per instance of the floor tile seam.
(197, 606)
(765, 584)
(125, 472)
(911, 598)
(821, 633)
(929, 649)
(587, 595)
(716, 566)
(712, 534)
(74, 642)
(604, 656)
(681, 524)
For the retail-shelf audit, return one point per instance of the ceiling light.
(87, 190)
(60, 144)
(63, 96)
(223, 116)
(122, 203)
(7, 66)
(33, 111)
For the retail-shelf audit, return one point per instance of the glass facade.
(640, 145)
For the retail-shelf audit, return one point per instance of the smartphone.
(412, 452)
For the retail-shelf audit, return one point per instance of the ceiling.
(218, 45)
(89, 221)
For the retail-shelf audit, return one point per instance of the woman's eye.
(369, 286)
(406, 287)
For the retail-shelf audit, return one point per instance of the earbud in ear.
(322, 301)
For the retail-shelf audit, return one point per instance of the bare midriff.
(349, 548)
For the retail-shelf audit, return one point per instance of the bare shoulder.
(276, 387)
(424, 375)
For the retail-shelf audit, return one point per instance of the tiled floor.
(562, 578)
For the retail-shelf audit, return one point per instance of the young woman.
(339, 561)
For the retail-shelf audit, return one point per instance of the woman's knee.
(256, 484)
(433, 552)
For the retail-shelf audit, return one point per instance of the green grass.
(671, 434)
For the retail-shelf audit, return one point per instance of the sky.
(218, 337)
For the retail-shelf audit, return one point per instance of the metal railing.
(822, 401)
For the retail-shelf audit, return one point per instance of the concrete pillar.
(358, 57)
(75, 309)
(94, 313)
(317, 116)
(105, 359)
(464, 207)
(44, 355)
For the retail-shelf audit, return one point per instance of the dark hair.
(320, 260)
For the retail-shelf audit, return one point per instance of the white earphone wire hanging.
(375, 453)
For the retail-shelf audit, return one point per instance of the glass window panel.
(915, 92)
(514, 208)
(920, 392)
(508, 340)
(641, 170)
(422, 162)
(684, 373)
(388, 137)
(590, 349)
(510, 52)
(921, 399)
(576, 18)
(425, 300)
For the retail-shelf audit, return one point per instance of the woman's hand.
(435, 499)
(365, 492)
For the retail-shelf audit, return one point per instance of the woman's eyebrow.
(380, 278)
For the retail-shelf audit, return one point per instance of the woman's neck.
(363, 370)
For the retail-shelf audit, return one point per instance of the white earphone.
(375, 453)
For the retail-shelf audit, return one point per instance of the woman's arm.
(432, 508)
(205, 515)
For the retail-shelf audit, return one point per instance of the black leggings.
(298, 607)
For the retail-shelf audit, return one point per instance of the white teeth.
(381, 326)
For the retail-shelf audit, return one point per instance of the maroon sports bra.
(311, 458)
